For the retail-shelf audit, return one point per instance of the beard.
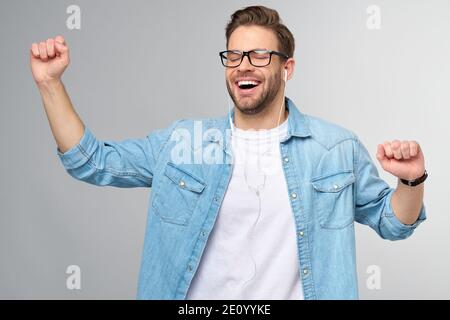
(259, 103)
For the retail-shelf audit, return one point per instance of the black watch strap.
(415, 182)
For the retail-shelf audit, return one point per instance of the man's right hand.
(49, 59)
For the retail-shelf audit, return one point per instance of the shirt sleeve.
(373, 196)
(125, 164)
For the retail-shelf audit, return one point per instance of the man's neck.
(267, 119)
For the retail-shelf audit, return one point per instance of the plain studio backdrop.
(139, 65)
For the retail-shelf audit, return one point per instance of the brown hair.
(264, 17)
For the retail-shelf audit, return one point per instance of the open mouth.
(247, 85)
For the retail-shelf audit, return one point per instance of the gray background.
(139, 65)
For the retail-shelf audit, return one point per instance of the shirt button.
(293, 195)
(301, 233)
(305, 271)
(286, 159)
(335, 186)
(181, 183)
(190, 268)
(203, 233)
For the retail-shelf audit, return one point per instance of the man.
(219, 228)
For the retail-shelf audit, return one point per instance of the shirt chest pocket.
(333, 199)
(177, 195)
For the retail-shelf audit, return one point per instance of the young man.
(219, 228)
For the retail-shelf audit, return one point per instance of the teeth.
(247, 82)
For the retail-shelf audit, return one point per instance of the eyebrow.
(251, 49)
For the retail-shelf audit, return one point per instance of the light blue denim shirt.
(331, 179)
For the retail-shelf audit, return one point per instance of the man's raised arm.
(128, 163)
(48, 61)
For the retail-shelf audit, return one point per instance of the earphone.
(258, 187)
(284, 93)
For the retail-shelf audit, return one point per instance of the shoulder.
(329, 134)
(204, 123)
(189, 125)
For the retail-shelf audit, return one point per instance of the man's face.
(268, 78)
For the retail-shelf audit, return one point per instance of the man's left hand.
(403, 159)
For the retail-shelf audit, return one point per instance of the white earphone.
(285, 75)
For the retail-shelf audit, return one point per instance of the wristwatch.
(415, 182)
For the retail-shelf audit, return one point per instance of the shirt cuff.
(398, 227)
(81, 153)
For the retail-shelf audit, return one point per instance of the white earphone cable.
(257, 189)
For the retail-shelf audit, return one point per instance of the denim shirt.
(331, 179)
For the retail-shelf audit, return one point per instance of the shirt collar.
(297, 122)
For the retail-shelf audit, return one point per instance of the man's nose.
(245, 64)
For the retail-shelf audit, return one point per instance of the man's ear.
(289, 67)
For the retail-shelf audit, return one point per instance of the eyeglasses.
(257, 58)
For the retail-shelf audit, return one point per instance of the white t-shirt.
(252, 252)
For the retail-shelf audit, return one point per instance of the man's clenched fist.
(49, 59)
(403, 159)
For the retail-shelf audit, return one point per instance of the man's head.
(257, 28)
